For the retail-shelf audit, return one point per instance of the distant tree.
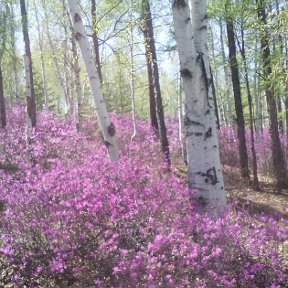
(154, 76)
(243, 156)
(204, 167)
(31, 100)
(277, 152)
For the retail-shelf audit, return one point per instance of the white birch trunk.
(204, 167)
(106, 126)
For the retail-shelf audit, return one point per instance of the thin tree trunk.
(253, 150)
(31, 101)
(107, 127)
(243, 157)
(95, 39)
(150, 46)
(204, 167)
(218, 108)
(28, 97)
(281, 64)
(258, 100)
(43, 68)
(286, 91)
(228, 113)
(67, 78)
(277, 153)
(152, 101)
(2, 101)
(181, 129)
(79, 94)
(214, 99)
(133, 104)
(14, 55)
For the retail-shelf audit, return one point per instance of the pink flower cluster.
(71, 215)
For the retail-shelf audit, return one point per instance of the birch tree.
(105, 124)
(204, 168)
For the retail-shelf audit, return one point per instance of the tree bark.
(204, 167)
(243, 157)
(132, 85)
(31, 101)
(79, 94)
(2, 101)
(152, 58)
(227, 111)
(152, 101)
(14, 55)
(95, 39)
(258, 100)
(277, 153)
(215, 99)
(107, 127)
(250, 102)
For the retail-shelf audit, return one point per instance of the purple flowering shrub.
(229, 151)
(71, 215)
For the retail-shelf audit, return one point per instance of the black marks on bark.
(188, 20)
(77, 17)
(207, 112)
(214, 146)
(202, 202)
(208, 134)
(107, 143)
(205, 17)
(196, 134)
(204, 27)
(200, 60)
(188, 121)
(179, 4)
(211, 176)
(78, 35)
(185, 73)
(111, 129)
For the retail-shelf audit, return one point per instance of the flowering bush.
(71, 215)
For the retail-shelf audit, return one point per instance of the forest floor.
(267, 200)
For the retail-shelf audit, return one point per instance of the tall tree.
(250, 103)
(243, 156)
(107, 127)
(277, 153)
(153, 69)
(228, 92)
(31, 101)
(204, 167)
